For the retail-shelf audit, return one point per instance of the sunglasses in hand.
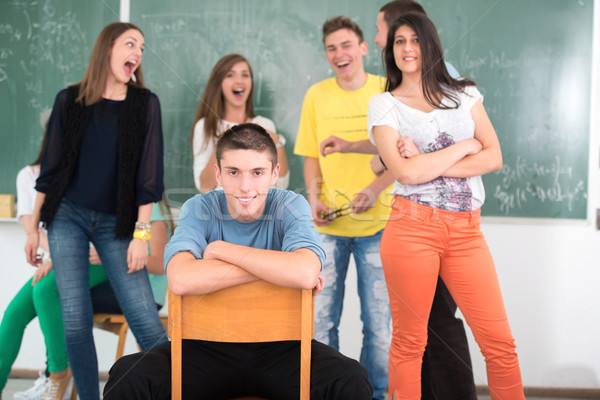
(340, 212)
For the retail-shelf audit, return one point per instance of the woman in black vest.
(101, 172)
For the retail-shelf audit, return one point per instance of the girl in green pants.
(39, 296)
(42, 301)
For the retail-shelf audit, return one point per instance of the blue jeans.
(69, 235)
(374, 302)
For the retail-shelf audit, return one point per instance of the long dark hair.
(212, 103)
(436, 82)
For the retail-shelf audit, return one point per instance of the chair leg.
(73, 392)
(122, 336)
(175, 327)
(305, 343)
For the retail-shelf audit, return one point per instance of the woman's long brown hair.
(212, 103)
(93, 84)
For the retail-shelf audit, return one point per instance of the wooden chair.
(253, 312)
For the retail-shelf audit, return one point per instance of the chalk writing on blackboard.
(526, 181)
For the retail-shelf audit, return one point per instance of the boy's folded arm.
(188, 275)
(298, 269)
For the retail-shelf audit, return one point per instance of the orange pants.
(418, 244)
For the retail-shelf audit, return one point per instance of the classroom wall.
(548, 272)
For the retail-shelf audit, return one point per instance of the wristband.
(143, 226)
(142, 234)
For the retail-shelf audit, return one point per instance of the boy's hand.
(334, 144)
(211, 252)
(319, 286)
(318, 210)
(363, 201)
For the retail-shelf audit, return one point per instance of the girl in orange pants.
(433, 133)
(419, 243)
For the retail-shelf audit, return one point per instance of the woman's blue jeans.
(69, 235)
(374, 302)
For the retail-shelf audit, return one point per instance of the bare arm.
(423, 167)
(376, 166)
(43, 243)
(284, 167)
(489, 158)
(188, 275)
(158, 241)
(334, 144)
(298, 269)
(225, 265)
(33, 236)
(313, 179)
(207, 177)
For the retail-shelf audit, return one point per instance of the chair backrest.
(253, 312)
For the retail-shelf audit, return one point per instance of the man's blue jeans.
(374, 302)
(69, 235)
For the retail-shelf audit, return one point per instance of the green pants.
(42, 301)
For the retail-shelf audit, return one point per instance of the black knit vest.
(132, 121)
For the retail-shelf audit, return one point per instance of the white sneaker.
(57, 389)
(35, 392)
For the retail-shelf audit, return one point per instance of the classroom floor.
(18, 385)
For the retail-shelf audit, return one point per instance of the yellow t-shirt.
(330, 110)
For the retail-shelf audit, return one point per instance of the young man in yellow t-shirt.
(447, 372)
(349, 204)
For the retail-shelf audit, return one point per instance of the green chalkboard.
(531, 60)
(282, 41)
(44, 46)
